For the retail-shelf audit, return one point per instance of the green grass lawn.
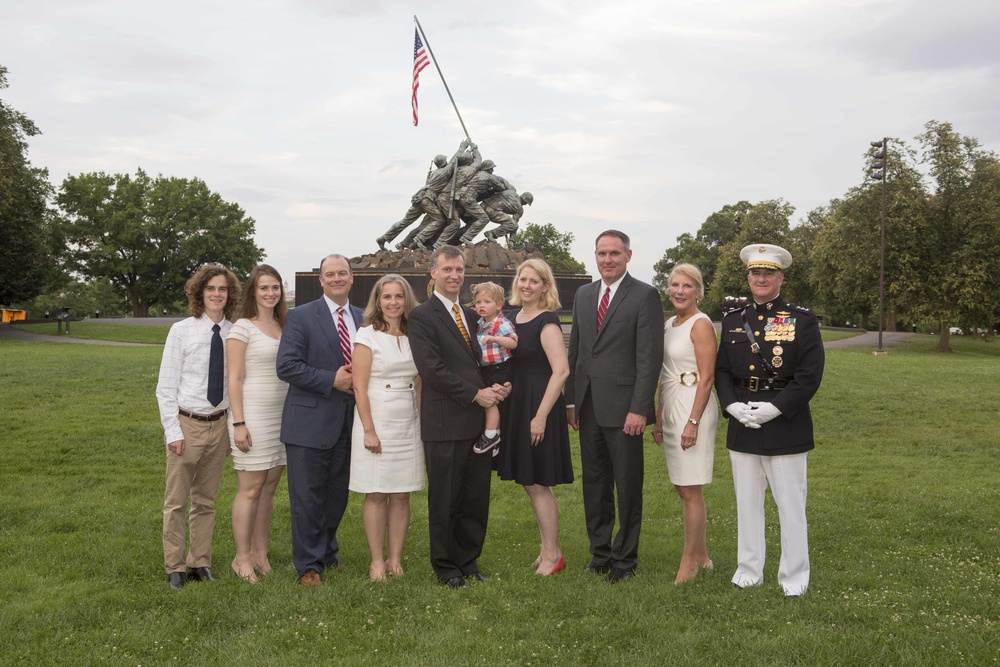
(904, 537)
(124, 333)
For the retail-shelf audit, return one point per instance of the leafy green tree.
(765, 222)
(148, 235)
(83, 298)
(552, 243)
(690, 250)
(25, 261)
(702, 250)
(845, 255)
(957, 256)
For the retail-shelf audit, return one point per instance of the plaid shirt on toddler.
(492, 353)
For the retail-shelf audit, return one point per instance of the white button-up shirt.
(614, 288)
(334, 307)
(183, 381)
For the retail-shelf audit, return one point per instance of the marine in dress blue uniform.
(769, 366)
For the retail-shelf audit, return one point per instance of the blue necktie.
(216, 368)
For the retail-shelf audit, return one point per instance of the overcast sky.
(645, 116)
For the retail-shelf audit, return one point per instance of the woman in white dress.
(256, 398)
(688, 413)
(387, 455)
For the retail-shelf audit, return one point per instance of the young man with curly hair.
(191, 392)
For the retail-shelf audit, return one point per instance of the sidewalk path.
(7, 331)
(870, 339)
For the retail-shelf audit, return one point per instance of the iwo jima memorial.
(460, 197)
(459, 200)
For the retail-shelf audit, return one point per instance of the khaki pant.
(195, 474)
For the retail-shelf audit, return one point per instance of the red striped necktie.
(603, 308)
(345, 336)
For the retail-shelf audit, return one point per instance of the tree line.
(114, 243)
(119, 243)
(942, 266)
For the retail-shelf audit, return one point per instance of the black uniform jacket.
(789, 337)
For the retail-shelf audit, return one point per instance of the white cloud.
(642, 115)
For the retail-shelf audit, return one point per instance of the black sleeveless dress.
(548, 463)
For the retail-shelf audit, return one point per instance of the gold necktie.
(461, 325)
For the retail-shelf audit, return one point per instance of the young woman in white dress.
(387, 455)
(688, 413)
(256, 397)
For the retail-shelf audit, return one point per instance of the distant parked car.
(955, 331)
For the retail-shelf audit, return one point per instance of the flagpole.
(447, 90)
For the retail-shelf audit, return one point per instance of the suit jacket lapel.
(329, 328)
(448, 321)
(620, 295)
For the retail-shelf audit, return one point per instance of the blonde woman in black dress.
(534, 450)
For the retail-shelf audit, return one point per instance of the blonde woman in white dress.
(688, 413)
(387, 454)
(256, 399)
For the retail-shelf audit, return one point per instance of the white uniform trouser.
(787, 477)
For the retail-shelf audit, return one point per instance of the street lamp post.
(877, 171)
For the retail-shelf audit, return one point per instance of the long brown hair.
(373, 311)
(195, 289)
(248, 309)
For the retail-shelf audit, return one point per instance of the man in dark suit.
(314, 358)
(615, 354)
(769, 366)
(452, 402)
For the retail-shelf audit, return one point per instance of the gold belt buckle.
(694, 378)
(754, 384)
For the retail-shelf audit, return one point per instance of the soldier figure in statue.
(424, 201)
(460, 178)
(484, 184)
(506, 209)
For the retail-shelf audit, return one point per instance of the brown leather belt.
(214, 417)
(761, 384)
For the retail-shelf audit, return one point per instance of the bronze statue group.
(391, 398)
(459, 199)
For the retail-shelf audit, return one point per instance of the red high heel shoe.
(561, 565)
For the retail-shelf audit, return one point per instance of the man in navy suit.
(314, 358)
(443, 338)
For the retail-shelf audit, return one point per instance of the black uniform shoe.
(597, 568)
(177, 580)
(619, 574)
(200, 574)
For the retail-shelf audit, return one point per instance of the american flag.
(420, 61)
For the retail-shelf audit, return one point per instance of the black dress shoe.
(177, 580)
(596, 568)
(619, 574)
(455, 582)
(476, 576)
(200, 574)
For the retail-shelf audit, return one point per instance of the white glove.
(761, 413)
(742, 413)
